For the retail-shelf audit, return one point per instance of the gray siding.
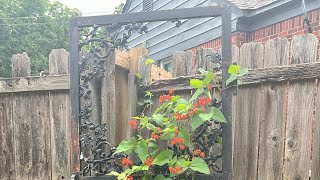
(163, 38)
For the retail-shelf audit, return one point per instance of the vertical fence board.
(248, 102)
(23, 135)
(273, 114)
(300, 112)
(122, 96)
(188, 62)
(59, 62)
(7, 165)
(108, 99)
(132, 102)
(205, 57)
(41, 149)
(60, 134)
(315, 167)
(178, 64)
(20, 65)
(144, 70)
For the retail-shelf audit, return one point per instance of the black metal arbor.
(84, 34)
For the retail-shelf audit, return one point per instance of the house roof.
(251, 4)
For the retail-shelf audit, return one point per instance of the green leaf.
(199, 165)
(243, 71)
(232, 78)
(233, 69)
(181, 107)
(202, 71)
(167, 136)
(208, 78)
(126, 146)
(196, 83)
(149, 61)
(196, 121)
(140, 103)
(152, 145)
(122, 176)
(218, 115)
(173, 161)
(175, 98)
(144, 121)
(184, 133)
(151, 127)
(148, 101)
(148, 94)
(206, 116)
(220, 140)
(142, 150)
(160, 177)
(163, 158)
(196, 94)
(113, 173)
(138, 75)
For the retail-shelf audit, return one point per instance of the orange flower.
(182, 146)
(134, 124)
(161, 99)
(169, 97)
(175, 170)
(196, 152)
(127, 162)
(177, 140)
(176, 132)
(202, 154)
(129, 178)
(171, 91)
(149, 161)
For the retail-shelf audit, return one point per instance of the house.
(252, 21)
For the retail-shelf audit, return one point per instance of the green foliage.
(169, 132)
(35, 27)
(235, 71)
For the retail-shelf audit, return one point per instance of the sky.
(93, 7)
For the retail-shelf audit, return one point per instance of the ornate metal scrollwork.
(96, 44)
(216, 59)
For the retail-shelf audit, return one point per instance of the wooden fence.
(276, 115)
(36, 130)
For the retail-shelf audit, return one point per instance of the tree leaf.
(167, 136)
(218, 115)
(243, 71)
(184, 133)
(233, 69)
(206, 116)
(208, 78)
(181, 107)
(160, 177)
(163, 158)
(126, 146)
(196, 83)
(199, 165)
(232, 78)
(196, 94)
(196, 121)
(142, 150)
(149, 61)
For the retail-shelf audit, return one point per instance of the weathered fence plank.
(144, 70)
(60, 134)
(132, 102)
(7, 155)
(315, 165)
(59, 62)
(273, 113)
(44, 83)
(248, 102)
(300, 112)
(178, 64)
(135, 54)
(108, 98)
(40, 135)
(21, 66)
(21, 116)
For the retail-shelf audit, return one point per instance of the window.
(147, 5)
(167, 65)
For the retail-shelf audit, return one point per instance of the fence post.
(144, 70)
(20, 65)
(59, 62)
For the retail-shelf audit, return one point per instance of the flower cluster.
(175, 170)
(129, 178)
(127, 162)
(163, 97)
(203, 101)
(176, 140)
(134, 124)
(180, 116)
(198, 153)
(149, 161)
(156, 135)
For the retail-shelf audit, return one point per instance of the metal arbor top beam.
(152, 16)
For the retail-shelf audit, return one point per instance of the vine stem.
(193, 175)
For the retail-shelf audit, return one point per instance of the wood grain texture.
(315, 165)
(300, 112)
(157, 73)
(7, 155)
(189, 62)
(108, 99)
(135, 54)
(21, 66)
(40, 133)
(122, 59)
(60, 134)
(207, 64)
(59, 60)
(44, 83)
(132, 102)
(122, 100)
(248, 103)
(273, 113)
(23, 135)
(144, 70)
(179, 67)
